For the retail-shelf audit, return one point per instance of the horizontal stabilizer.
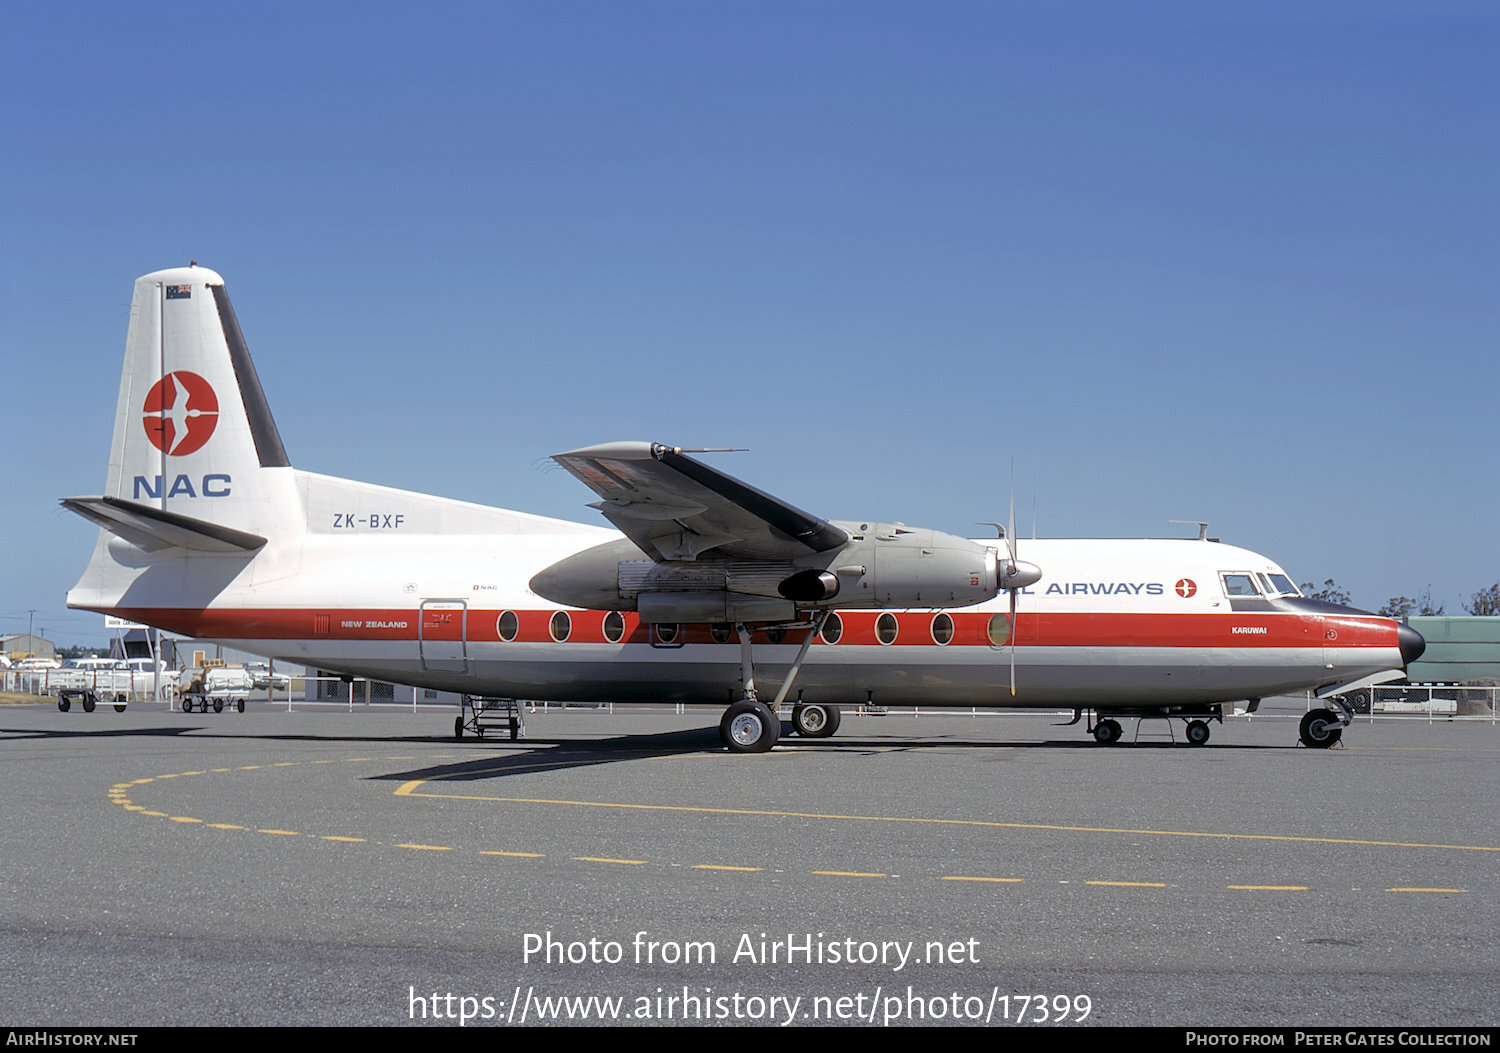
(153, 529)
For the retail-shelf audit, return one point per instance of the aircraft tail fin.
(194, 435)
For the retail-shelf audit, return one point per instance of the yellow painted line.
(284, 833)
(1269, 888)
(225, 826)
(1424, 890)
(356, 760)
(135, 807)
(123, 801)
(250, 767)
(185, 819)
(285, 764)
(409, 789)
(335, 837)
(1129, 884)
(166, 776)
(712, 866)
(519, 855)
(153, 813)
(844, 873)
(600, 859)
(216, 771)
(187, 773)
(1001, 880)
(428, 848)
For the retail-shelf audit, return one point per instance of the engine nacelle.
(882, 565)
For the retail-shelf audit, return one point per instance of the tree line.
(1484, 602)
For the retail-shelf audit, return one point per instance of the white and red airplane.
(711, 591)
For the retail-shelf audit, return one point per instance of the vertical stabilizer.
(193, 432)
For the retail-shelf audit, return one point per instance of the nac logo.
(181, 412)
(1186, 587)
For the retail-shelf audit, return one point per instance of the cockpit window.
(1284, 585)
(1239, 585)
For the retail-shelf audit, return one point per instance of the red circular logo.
(1186, 587)
(181, 412)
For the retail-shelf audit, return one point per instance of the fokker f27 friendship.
(710, 591)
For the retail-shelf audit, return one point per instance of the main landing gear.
(750, 725)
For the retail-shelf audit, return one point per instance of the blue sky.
(1234, 262)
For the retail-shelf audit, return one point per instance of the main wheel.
(815, 721)
(1108, 732)
(63, 705)
(1197, 732)
(1320, 729)
(749, 727)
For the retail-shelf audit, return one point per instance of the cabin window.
(942, 629)
(507, 625)
(560, 626)
(614, 626)
(721, 632)
(833, 628)
(998, 630)
(666, 634)
(886, 628)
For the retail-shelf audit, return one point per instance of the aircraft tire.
(119, 708)
(63, 704)
(1197, 732)
(814, 721)
(88, 703)
(749, 727)
(1320, 729)
(458, 727)
(1108, 732)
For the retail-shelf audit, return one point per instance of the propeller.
(1014, 575)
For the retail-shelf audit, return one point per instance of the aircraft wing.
(677, 508)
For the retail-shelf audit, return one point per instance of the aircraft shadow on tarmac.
(531, 755)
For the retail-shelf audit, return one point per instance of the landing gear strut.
(751, 726)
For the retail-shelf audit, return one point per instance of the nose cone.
(1411, 642)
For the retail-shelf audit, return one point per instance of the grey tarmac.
(328, 867)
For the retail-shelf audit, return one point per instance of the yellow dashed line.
(409, 789)
(520, 855)
(283, 833)
(285, 764)
(428, 848)
(600, 859)
(153, 813)
(250, 767)
(1002, 880)
(225, 826)
(712, 866)
(184, 819)
(334, 837)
